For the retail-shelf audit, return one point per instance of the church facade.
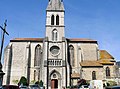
(56, 60)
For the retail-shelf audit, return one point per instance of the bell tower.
(54, 56)
(55, 20)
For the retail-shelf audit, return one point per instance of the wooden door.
(54, 84)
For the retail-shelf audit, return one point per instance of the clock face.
(54, 50)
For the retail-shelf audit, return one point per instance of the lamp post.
(2, 42)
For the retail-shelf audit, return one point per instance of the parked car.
(113, 87)
(10, 87)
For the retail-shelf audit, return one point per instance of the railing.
(57, 62)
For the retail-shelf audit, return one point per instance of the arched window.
(107, 71)
(54, 35)
(52, 20)
(34, 75)
(72, 60)
(57, 20)
(37, 75)
(38, 56)
(93, 75)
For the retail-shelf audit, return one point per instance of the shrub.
(111, 83)
(33, 82)
(15, 81)
(37, 82)
(23, 81)
(41, 83)
(68, 86)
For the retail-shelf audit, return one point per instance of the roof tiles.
(105, 55)
(90, 64)
(27, 40)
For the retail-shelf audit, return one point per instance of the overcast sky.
(94, 19)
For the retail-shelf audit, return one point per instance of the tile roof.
(75, 75)
(27, 40)
(90, 64)
(105, 55)
(81, 40)
(106, 58)
(41, 39)
(106, 61)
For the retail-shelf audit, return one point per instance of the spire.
(55, 5)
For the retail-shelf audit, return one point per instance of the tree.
(41, 83)
(23, 81)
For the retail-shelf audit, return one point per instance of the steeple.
(55, 20)
(55, 5)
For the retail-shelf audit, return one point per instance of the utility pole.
(2, 43)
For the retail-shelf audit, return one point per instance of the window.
(57, 20)
(38, 55)
(72, 61)
(52, 20)
(37, 62)
(54, 50)
(54, 35)
(93, 75)
(34, 74)
(107, 71)
(37, 75)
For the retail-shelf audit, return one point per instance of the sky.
(95, 19)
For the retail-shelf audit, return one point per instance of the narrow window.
(93, 75)
(107, 71)
(72, 60)
(54, 35)
(57, 20)
(52, 20)
(34, 75)
(38, 55)
(38, 75)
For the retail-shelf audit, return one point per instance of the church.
(56, 60)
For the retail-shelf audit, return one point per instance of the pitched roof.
(105, 55)
(106, 61)
(106, 58)
(27, 40)
(90, 64)
(75, 75)
(81, 40)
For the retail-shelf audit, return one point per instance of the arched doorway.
(54, 83)
(55, 80)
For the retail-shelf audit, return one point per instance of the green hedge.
(111, 83)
